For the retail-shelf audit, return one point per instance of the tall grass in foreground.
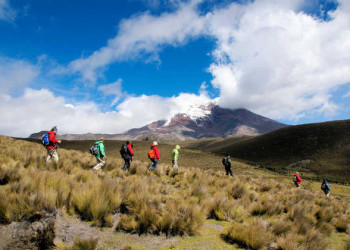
(261, 212)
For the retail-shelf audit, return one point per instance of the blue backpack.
(45, 140)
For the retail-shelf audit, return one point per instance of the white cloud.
(7, 13)
(269, 57)
(279, 62)
(16, 74)
(142, 35)
(114, 89)
(36, 110)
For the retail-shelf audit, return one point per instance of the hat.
(297, 172)
(102, 138)
(54, 128)
(155, 143)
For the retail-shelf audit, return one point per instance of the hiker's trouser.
(326, 192)
(51, 153)
(126, 164)
(228, 170)
(100, 163)
(297, 184)
(174, 163)
(155, 164)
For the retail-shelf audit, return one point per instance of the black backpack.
(225, 161)
(124, 150)
(94, 150)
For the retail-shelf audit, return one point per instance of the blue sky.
(109, 66)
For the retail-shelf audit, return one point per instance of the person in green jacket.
(101, 156)
(175, 156)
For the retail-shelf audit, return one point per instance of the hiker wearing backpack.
(101, 155)
(51, 144)
(175, 156)
(153, 155)
(226, 161)
(127, 154)
(297, 180)
(325, 187)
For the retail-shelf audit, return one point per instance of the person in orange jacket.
(154, 156)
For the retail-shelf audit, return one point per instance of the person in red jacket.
(297, 180)
(156, 156)
(52, 147)
(127, 154)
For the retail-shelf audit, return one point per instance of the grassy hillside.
(322, 149)
(254, 210)
(188, 157)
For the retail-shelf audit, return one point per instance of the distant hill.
(320, 148)
(205, 121)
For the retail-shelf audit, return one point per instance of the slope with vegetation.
(322, 149)
(243, 212)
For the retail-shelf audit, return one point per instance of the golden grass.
(260, 211)
(252, 235)
(79, 244)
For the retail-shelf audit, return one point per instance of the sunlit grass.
(260, 211)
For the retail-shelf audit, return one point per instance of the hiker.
(297, 180)
(175, 156)
(51, 143)
(226, 161)
(325, 187)
(101, 155)
(127, 154)
(153, 155)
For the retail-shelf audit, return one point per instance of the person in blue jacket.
(325, 187)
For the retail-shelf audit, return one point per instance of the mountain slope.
(205, 121)
(321, 148)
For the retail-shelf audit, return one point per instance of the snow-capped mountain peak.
(194, 112)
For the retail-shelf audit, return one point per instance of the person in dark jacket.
(52, 147)
(325, 187)
(226, 161)
(127, 154)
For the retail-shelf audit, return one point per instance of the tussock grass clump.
(315, 240)
(187, 218)
(253, 235)
(146, 220)
(341, 224)
(288, 241)
(222, 208)
(8, 175)
(238, 190)
(282, 227)
(95, 202)
(127, 223)
(80, 244)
